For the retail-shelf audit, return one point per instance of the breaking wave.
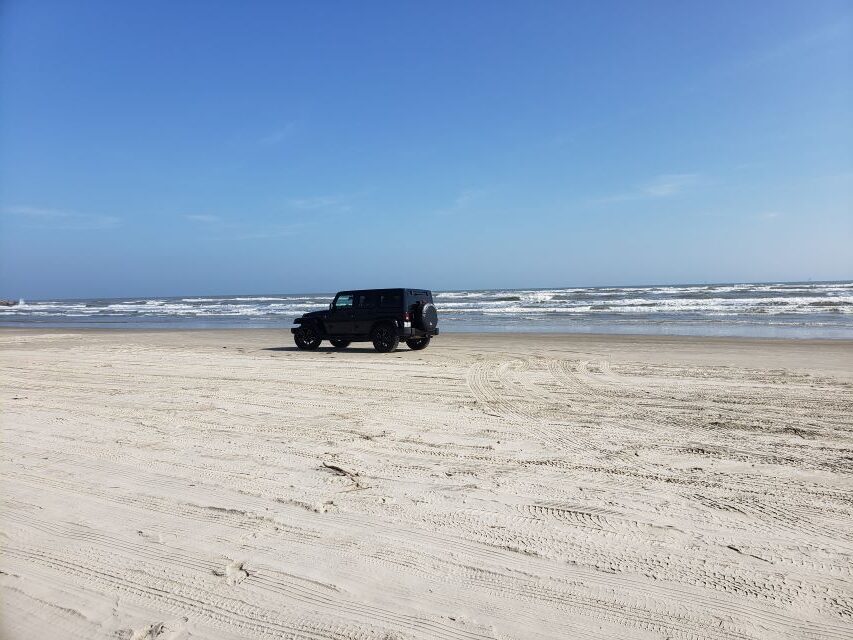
(823, 304)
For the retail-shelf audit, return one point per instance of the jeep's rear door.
(365, 311)
(391, 304)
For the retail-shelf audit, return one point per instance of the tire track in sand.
(489, 384)
(322, 598)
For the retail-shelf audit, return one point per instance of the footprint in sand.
(234, 573)
(156, 631)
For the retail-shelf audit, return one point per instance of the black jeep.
(381, 316)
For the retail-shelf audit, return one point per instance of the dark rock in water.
(8, 303)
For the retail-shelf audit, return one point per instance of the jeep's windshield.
(343, 301)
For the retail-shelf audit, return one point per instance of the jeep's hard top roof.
(409, 289)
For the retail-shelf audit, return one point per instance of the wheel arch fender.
(383, 320)
(314, 323)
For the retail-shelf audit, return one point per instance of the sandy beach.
(223, 485)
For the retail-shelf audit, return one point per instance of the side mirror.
(330, 306)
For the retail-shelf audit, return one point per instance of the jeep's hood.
(316, 314)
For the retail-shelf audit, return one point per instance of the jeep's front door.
(341, 318)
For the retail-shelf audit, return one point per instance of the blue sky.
(157, 148)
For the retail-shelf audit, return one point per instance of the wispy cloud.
(203, 218)
(768, 215)
(278, 135)
(463, 202)
(782, 52)
(665, 185)
(328, 203)
(669, 184)
(62, 219)
(799, 45)
(213, 226)
(276, 231)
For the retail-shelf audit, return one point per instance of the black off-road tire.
(337, 343)
(426, 316)
(384, 337)
(307, 338)
(416, 344)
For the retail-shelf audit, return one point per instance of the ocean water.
(788, 309)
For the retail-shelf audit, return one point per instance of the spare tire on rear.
(426, 316)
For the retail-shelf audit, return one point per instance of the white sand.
(198, 485)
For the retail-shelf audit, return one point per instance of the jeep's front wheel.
(307, 338)
(337, 343)
(385, 337)
(416, 344)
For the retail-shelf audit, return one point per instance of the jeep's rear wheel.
(385, 337)
(307, 338)
(416, 344)
(337, 343)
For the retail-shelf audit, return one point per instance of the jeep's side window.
(389, 300)
(343, 301)
(366, 301)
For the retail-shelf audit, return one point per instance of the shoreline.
(832, 354)
(445, 333)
